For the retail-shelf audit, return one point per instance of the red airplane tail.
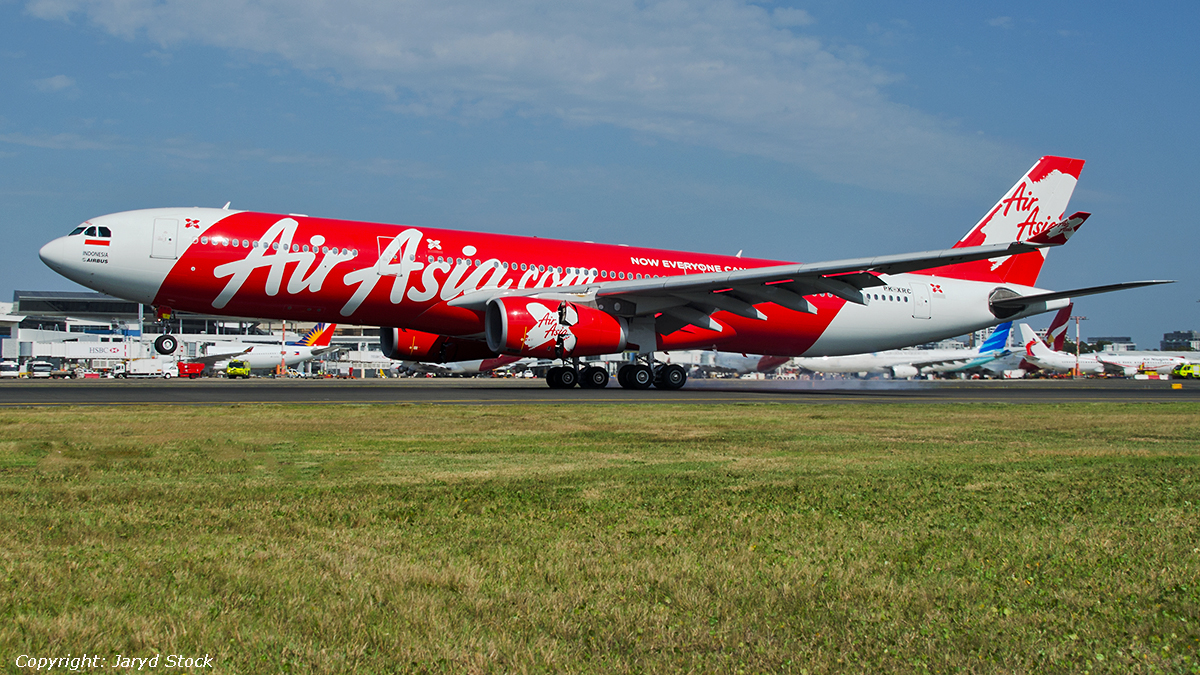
(1031, 207)
(1056, 334)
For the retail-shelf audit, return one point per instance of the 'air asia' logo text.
(1023, 200)
(411, 278)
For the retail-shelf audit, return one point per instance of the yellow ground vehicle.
(1186, 370)
(237, 368)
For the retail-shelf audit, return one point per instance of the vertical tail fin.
(1057, 332)
(1036, 203)
(998, 340)
(1033, 344)
(318, 336)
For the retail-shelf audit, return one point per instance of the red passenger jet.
(444, 295)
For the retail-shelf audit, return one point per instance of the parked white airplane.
(904, 363)
(465, 368)
(1014, 363)
(264, 356)
(742, 364)
(1096, 363)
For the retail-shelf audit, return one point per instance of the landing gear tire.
(637, 376)
(670, 377)
(561, 377)
(166, 344)
(594, 378)
(568, 377)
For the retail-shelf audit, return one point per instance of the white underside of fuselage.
(955, 307)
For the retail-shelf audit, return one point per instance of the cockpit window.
(105, 232)
(91, 231)
(76, 231)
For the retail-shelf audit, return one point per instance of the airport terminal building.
(47, 324)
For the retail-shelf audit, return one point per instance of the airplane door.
(166, 232)
(921, 301)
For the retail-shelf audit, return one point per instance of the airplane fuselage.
(293, 267)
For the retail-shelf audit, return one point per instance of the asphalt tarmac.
(488, 391)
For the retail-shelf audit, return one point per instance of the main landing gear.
(631, 376)
(565, 377)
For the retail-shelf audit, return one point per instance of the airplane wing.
(214, 359)
(317, 351)
(693, 298)
(1115, 367)
(424, 367)
(960, 364)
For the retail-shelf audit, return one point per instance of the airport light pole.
(1077, 319)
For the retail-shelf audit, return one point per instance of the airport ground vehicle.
(10, 369)
(1186, 370)
(237, 368)
(189, 369)
(39, 369)
(152, 367)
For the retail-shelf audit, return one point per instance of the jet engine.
(903, 372)
(552, 328)
(413, 345)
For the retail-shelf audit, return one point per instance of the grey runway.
(483, 391)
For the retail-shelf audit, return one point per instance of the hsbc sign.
(96, 350)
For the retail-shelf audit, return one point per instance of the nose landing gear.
(166, 344)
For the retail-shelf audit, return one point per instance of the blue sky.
(801, 131)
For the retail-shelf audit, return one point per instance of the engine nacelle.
(413, 345)
(903, 372)
(552, 329)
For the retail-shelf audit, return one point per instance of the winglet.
(1059, 233)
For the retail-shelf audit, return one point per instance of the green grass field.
(599, 539)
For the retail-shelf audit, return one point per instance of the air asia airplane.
(444, 295)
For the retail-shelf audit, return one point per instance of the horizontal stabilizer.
(1019, 301)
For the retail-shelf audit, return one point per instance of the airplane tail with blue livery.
(997, 341)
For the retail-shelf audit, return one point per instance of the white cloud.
(63, 141)
(716, 73)
(787, 16)
(56, 83)
(1001, 22)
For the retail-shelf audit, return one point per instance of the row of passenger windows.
(296, 248)
(889, 298)
(524, 267)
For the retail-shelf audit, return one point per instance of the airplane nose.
(54, 254)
